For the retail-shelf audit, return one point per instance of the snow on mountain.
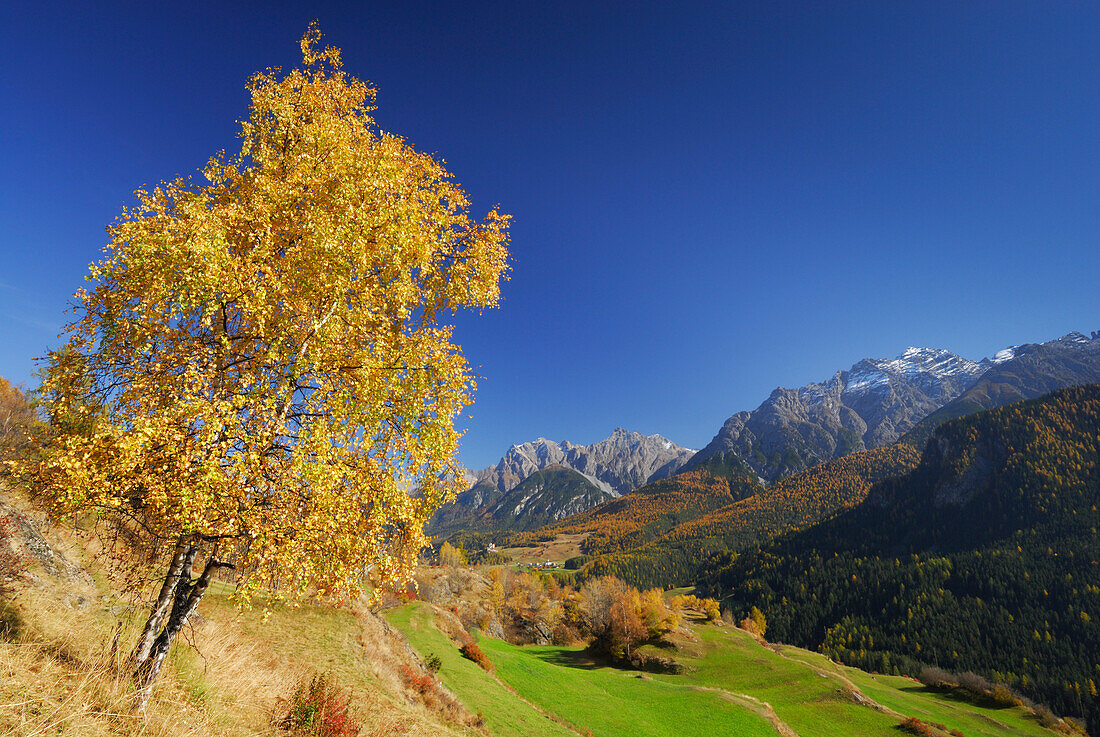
(873, 403)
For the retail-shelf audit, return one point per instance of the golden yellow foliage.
(258, 361)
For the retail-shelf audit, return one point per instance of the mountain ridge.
(877, 401)
(621, 462)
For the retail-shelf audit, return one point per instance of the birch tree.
(259, 375)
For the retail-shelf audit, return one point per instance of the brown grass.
(63, 671)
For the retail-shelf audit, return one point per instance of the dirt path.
(755, 705)
(857, 695)
(545, 712)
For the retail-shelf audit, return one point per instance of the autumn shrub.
(1002, 695)
(417, 681)
(709, 608)
(1046, 717)
(471, 651)
(17, 423)
(321, 708)
(1075, 726)
(912, 725)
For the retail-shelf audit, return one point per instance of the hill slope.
(732, 685)
(546, 495)
(65, 634)
(984, 558)
(669, 554)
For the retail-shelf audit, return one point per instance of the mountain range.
(877, 401)
(579, 477)
(874, 403)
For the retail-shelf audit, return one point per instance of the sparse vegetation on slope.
(660, 539)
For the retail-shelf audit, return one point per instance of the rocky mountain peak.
(879, 399)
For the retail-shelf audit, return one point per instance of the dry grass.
(560, 549)
(62, 674)
(63, 669)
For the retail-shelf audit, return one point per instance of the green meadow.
(733, 685)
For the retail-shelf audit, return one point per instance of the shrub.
(415, 680)
(712, 612)
(471, 651)
(755, 623)
(433, 662)
(912, 725)
(937, 678)
(974, 683)
(320, 708)
(1002, 695)
(1046, 717)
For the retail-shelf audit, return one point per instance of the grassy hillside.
(62, 670)
(734, 685)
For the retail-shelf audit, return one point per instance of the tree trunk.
(182, 561)
(185, 601)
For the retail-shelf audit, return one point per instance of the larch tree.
(258, 376)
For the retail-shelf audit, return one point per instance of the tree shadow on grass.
(572, 659)
(957, 695)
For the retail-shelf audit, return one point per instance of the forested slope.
(984, 558)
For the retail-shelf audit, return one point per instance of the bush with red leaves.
(471, 651)
(320, 708)
(415, 680)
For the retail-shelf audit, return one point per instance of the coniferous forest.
(984, 558)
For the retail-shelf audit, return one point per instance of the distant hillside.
(614, 466)
(669, 554)
(546, 495)
(649, 512)
(984, 558)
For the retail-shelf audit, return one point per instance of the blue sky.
(710, 200)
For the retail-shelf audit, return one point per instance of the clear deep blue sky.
(710, 200)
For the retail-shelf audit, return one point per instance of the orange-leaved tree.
(258, 376)
(17, 422)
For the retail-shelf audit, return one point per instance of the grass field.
(505, 714)
(734, 686)
(558, 550)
